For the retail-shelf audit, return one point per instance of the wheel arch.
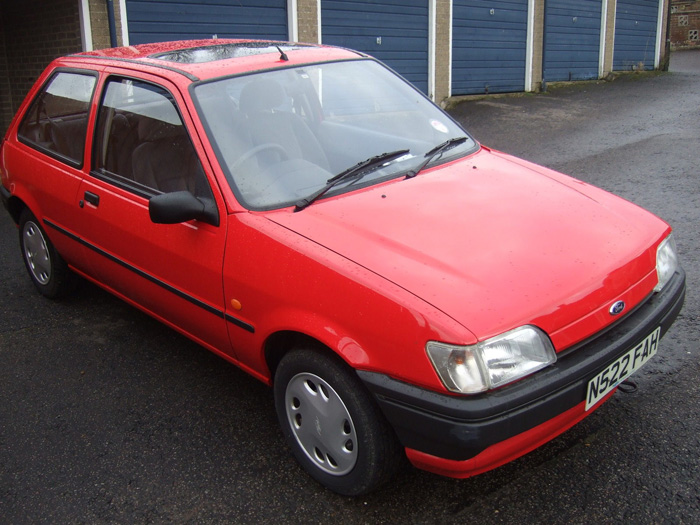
(15, 205)
(380, 453)
(282, 342)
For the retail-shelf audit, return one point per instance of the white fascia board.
(603, 37)
(85, 25)
(529, 44)
(125, 22)
(432, 28)
(659, 29)
(292, 21)
(449, 43)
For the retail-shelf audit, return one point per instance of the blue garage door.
(394, 31)
(571, 39)
(165, 20)
(635, 34)
(489, 42)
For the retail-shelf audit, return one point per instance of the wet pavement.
(108, 416)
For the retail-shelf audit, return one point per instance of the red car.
(308, 215)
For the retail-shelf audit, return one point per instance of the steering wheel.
(258, 149)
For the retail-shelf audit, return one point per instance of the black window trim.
(77, 164)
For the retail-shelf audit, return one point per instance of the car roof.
(205, 59)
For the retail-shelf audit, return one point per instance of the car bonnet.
(495, 243)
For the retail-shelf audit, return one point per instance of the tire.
(332, 424)
(48, 271)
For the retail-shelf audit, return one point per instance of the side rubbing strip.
(240, 324)
(211, 309)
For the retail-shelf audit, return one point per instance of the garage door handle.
(92, 198)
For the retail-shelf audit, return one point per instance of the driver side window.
(142, 144)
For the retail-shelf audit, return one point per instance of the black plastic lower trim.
(460, 427)
(5, 197)
(183, 295)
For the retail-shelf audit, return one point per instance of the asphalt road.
(108, 416)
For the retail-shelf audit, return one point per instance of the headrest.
(261, 95)
(151, 129)
(120, 125)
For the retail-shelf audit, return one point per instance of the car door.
(49, 154)
(142, 147)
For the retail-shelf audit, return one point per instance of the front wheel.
(332, 425)
(47, 269)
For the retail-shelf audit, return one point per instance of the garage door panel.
(582, 25)
(369, 6)
(188, 19)
(635, 34)
(580, 7)
(368, 10)
(572, 39)
(483, 69)
(371, 25)
(476, 16)
(393, 31)
(159, 33)
(478, 86)
(485, 53)
(413, 38)
(484, 36)
(489, 42)
(214, 15)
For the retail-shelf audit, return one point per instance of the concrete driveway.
(108, 416)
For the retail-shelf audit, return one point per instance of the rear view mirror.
(181, 206)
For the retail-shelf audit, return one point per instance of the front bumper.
(457, 435)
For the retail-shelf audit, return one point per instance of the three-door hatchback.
(308, 215)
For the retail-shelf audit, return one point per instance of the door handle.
(92, 198)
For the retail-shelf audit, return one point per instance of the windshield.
(281, 135)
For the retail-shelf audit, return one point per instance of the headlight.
(492, 363)
(666, 262)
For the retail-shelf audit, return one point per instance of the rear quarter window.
(56, 121)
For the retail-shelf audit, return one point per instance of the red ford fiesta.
(306, 214)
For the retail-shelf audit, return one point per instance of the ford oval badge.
(617, 308)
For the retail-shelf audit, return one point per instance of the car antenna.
(283, 55)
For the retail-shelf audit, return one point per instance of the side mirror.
(181, 206)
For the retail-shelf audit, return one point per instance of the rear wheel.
(47, 269)
(332, 425)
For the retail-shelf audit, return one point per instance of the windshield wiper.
(437, 150)
(356, 171)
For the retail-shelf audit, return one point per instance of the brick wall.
(6, 105)
(35, 32)
(609, 38)
(685, 23)
(443, 25)
(99, 22)
(537, 50)
(307, 21)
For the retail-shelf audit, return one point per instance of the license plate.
(626, 365)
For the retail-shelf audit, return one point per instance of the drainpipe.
(667, 44)
(543, 86)
(112, 24)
